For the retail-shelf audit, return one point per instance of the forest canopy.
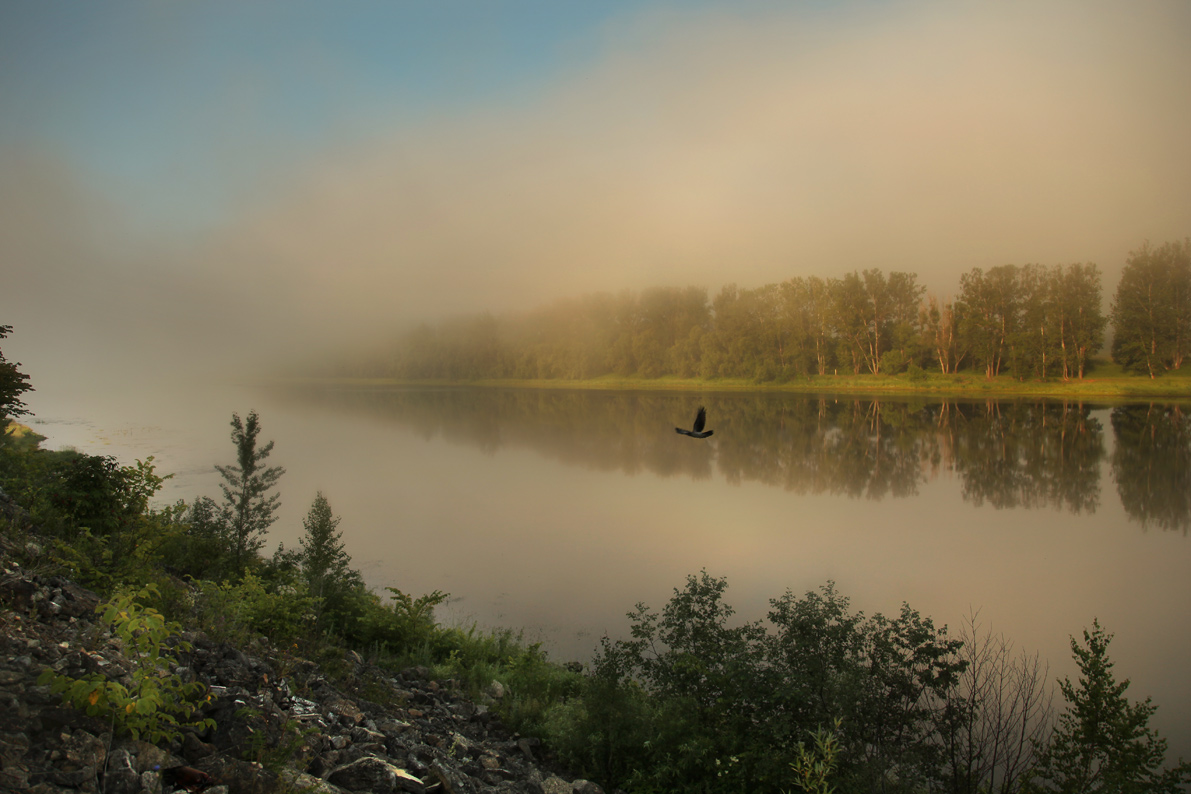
(1026, 321)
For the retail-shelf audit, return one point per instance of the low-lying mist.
(706, 149)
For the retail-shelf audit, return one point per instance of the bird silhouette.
(697, 431)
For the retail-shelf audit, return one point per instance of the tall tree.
(1103, 743)
(903, 300)
(1082, 320)
(13, 383)
(1038, 345)
(326, 565)
(1151, 313)
(248, 509)
(939, 324)
(818, 309)
(988, 307)
(877, 314)
(850, 311)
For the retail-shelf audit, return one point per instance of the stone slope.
(281, 723)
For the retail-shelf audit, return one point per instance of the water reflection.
(1151, 464)
(1004, 454)
(1025, 454)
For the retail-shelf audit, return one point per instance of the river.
(556, 511)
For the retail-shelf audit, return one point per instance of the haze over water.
(556, 511)
(194, 191)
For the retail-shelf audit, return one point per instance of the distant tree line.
(1027, 321)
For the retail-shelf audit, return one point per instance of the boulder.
(303, 783)
(120, 777)
(452, 780)
(375, 775)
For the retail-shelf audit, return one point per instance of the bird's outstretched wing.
(700, 419)
(683, 432)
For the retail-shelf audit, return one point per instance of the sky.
(203, 186)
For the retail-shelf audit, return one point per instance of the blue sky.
(182, 175)
(129, 91)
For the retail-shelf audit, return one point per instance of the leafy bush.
(893, 362)
(237, 612)
(156, 704)
(698, 702)
(405, 624)
(97, 513)
(813, 768)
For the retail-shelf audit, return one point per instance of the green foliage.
(248, 511)
(813, 768)
(236, 613)
(720, 706)
(13, 384)
(412, 619)
(156, 703)
(325, 565)
(21, 438)
(1151, 311)
(278, 749)
(1103, 743)
(1026, 321)
(201, 549)
(96, 513)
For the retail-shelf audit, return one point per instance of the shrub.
(236, 612)
(155, 704)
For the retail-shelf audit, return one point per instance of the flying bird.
(697, 431)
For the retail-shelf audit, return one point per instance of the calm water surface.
(557, 511)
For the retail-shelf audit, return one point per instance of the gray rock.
(392, 727)
(461, 745)
(307, 784)
(242, 777)
(363, 735)
(146, 757)
(14, 778)
(344, 708)
(374, 775)
(83, 752)
(121, 778)
(194, 748)
(526, 746)
(452, 780)
(585, 787)
(151, 783)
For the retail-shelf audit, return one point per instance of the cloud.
(725, 148)
(703, 148)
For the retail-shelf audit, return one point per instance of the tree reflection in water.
(1025, 454)
(1005, 454)
(1151, 463)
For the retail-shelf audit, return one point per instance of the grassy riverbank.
(1108, 382)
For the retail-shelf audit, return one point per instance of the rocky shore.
(281, 723)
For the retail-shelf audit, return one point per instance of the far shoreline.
(1176, 387)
